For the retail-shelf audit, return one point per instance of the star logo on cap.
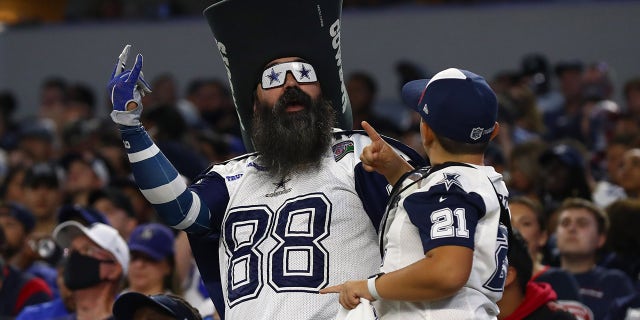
(449, 180)
(273, 76)
(304, 73)
(147, 234)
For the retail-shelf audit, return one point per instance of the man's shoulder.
(358, 139)
(233, 164)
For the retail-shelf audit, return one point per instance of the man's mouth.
(294, 108)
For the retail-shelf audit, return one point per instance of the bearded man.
(272, 227)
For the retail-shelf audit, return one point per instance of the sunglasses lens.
(276, 75)
(272, 78)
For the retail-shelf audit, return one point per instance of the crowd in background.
(562, 138)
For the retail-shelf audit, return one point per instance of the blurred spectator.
(529, 220)
(42, 195)
(171, 134)
(191, 282)
(27, 251)
(519, 117)
(599, 111)
(85, 173)
(116, 207)
(138, 306)
(536, 75)
(165, 91)
(11, 188)
(152, 264)
(143, 210)
(582, 229)
(18, 289)
(630, 173)
(80, 136)
(36, 141)
(524, 299)
(86, 216)
(98, 259)
(8, 127)
(17, 222)
(623, 238)
(564, 175)
(212, 101)
(408, 71)
(53, 98)
(494, 156)
(362, 90)
(631, 95)
(64, 305)
(217, 147)
(60, 308)
(570, 120)
(80, 104)
(569, 74)
(525, 174)
(108, 146)
(607, 188)
(627, 127)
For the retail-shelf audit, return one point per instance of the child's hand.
(379, 156)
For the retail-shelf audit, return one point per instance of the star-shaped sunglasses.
(275, 76)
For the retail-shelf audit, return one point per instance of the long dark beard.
(290, 142)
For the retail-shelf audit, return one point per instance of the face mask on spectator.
(82, 271)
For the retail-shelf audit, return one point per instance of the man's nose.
(290, 80)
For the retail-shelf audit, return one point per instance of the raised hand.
(379, 156)
(126, 89)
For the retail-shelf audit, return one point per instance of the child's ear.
(512, 275)
(496, 130)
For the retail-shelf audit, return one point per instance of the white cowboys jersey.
(455, 204)
(283, 240)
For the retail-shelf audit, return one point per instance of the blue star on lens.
(274, 76)
(304, 73)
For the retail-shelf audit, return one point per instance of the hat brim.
(65, 232)
(128, 303)
(412, 93)
(156, 256)
(252, 33)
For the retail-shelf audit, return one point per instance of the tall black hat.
(251, 33)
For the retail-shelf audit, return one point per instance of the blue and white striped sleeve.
(178, 206)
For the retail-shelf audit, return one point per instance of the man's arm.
(156, 177)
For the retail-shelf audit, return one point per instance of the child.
(444, 238)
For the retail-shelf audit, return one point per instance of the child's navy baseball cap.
(456, 104)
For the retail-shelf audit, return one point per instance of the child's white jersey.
(451, 204)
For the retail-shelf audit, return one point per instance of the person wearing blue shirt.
(581, 232)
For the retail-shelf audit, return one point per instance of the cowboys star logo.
(281, 188)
